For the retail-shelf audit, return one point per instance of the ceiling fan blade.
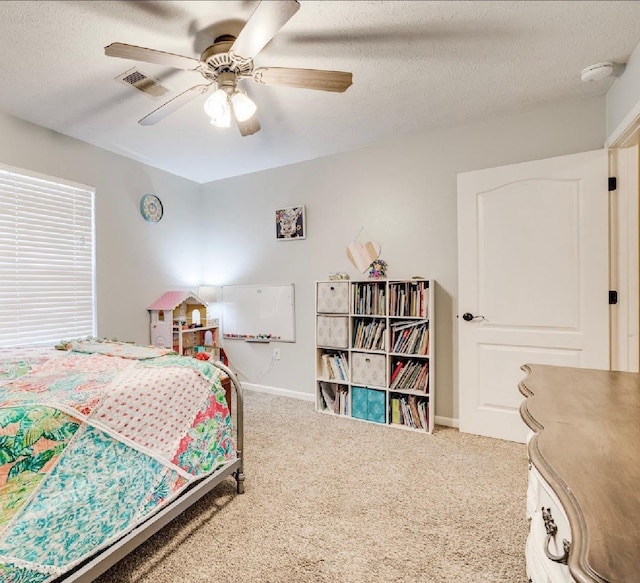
(125, 51)
(170, 106)
(337, 81)
(267, 19)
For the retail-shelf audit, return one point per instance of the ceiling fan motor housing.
(227, 81)
(219, 60)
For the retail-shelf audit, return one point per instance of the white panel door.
(533, 272)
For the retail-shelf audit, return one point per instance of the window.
(47, 259)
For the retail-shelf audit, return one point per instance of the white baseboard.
(446, 421)
(279, 391)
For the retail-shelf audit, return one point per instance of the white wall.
(136, 261)
(403, 193)
(623, 96)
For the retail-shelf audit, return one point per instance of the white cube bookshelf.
(375, 351)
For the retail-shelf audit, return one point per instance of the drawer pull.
(562, 559)
(552, 529)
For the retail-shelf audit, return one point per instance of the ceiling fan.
(229, 60)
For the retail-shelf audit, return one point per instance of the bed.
(101, 445)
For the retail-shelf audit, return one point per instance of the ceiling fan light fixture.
(224, 121)
(243, 107)
(216, 106)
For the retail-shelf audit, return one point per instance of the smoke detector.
(596, 72)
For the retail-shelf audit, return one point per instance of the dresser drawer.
(369, 369)
(333, 297)
(332, 331)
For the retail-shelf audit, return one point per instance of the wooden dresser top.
(587, 447)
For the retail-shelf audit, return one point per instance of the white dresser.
(583, 499)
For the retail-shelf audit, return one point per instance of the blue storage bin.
(377, 405)
(359, 403)
(368, 404)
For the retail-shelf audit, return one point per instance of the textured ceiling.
(415, 65)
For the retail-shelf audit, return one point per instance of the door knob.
(467, 317)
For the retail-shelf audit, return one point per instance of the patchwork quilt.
(93, 440)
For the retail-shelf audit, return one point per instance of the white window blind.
(47, 265)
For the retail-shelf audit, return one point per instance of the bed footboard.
(239, 473)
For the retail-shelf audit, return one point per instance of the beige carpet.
(337, 500)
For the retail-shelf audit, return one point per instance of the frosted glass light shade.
(217, 107)
(243, 107)
(224, 121)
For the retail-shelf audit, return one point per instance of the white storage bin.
(369, 369)
(333, 297)
(332, 331)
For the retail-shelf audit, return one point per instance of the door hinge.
(613, 297)
(613, 183)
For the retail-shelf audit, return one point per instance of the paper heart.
(362, 256)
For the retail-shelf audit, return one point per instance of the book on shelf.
(405, 414)
(344, 375)
(369, 334)
(422, 411)
(334, 366)
(369, 299)
(378, 339)
(412, 411)
(326, 366)
(410, 375)
(342, 395)
(328, 393)
(335, 398)
(396, 371)
(395, 410)
(413, 407)
(409, 299)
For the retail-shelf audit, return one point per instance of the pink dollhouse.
(179, 320)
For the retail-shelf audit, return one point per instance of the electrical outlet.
(276, 354)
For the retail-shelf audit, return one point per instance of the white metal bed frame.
(102, 561)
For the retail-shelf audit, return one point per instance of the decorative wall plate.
(151, 208)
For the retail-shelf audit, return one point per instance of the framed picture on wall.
(290, 224)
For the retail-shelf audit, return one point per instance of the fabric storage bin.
(340, 332)
(368, 404)
(332, 331)
(359, 403)
(333, 297)
(376, 401)
(369, 369)
(323, 331)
